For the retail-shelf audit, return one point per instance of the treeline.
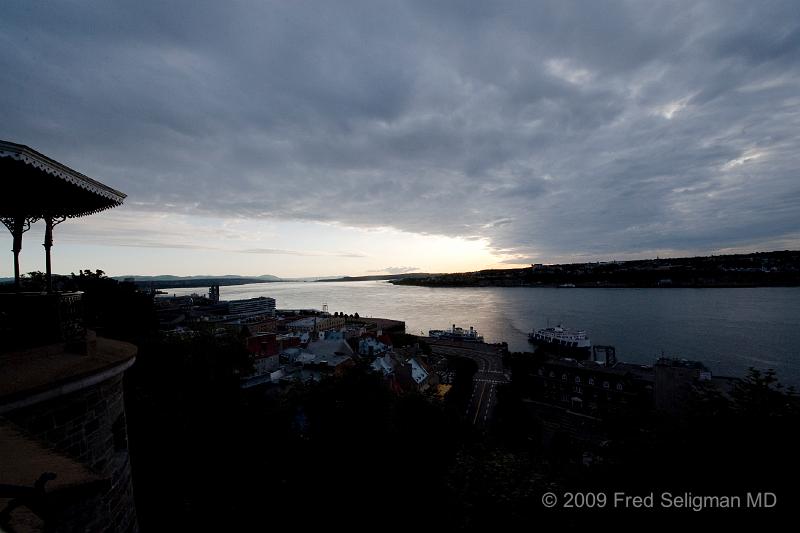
(197, 282)
(741, 270)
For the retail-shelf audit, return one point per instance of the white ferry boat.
(458, 334)
(562, 340)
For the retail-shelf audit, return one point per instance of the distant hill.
(380, 277)
(173, 282)
(760, 269)
(168, 277)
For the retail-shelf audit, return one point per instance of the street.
(488, 357)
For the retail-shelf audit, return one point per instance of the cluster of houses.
(317, 354)
(299, 345)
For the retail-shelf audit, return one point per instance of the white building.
(252, 306)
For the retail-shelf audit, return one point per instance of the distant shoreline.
(761, 269)
(425, 283)
(198, 283)
(378, 277)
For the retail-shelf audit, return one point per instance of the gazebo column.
(50, 222)
(17, 246)
(48, 243)
(17, 225)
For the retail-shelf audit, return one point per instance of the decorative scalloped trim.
(70, 177)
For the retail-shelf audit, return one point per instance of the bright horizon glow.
(125, 241)
(129, 242)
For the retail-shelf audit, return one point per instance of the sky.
(325, 138)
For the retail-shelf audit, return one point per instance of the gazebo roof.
(34, 186)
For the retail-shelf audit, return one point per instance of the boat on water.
(562, 340)
(457, 334)
(567, 286)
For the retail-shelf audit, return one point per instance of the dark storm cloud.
(551, 128)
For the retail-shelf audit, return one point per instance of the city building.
(413, 374)
(677, 379)
(384, 325)
(371, 345)
(313, 324)
(213, 293)
(591, 387)
(574, 399)
(252, 306)
(320, 359)
(404, 373)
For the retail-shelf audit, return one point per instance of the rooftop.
(641, 372)
(330, 347)
(303, 322)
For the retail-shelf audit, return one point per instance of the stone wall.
(89, 426)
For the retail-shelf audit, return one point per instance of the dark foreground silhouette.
(349, 453)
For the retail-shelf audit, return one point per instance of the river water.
(727, 329)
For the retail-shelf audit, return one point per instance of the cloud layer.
(553, 129)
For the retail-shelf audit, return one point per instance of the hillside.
(780, 268)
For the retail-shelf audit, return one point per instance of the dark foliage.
(114, 309)
(343, 451)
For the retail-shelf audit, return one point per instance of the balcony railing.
(30, 319)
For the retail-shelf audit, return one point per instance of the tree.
(113, 308)
(761, 394)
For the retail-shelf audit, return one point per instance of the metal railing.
(30, 319)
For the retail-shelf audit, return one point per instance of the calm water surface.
(728, 329)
